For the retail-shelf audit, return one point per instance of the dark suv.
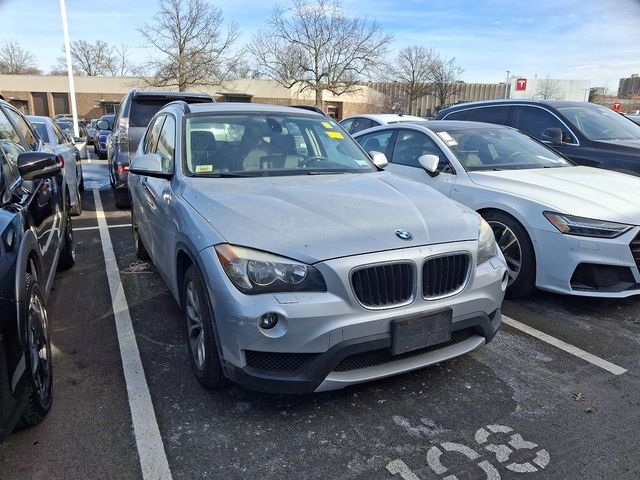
(35, 238)
(587, 133)
(136, 110)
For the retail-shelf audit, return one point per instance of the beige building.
(97, 96)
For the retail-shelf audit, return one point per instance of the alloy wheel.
(195, 327)
(38, 349)
(510, 247)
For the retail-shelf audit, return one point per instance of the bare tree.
(445, 79)
(90, 59)
(120, 64)
(195, 49)
(413, 71)
(16, 60)
(548, 89)
(316, 47)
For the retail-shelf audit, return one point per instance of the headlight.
(586, 227)
(486, 242)
(253, 271)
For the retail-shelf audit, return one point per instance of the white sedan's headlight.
(486, 242)
(586, 227)
(254, 271)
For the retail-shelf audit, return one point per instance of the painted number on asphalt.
(500, 452)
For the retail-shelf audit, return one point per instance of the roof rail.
(184, 105)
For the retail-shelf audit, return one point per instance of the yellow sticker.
(327, 125)
(204, 168)
(334, 135)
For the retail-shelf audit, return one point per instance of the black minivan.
(587, 133)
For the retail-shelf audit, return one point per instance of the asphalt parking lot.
(529, 405)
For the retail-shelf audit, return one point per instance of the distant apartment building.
(629, 86)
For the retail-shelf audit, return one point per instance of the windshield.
(600, 123)
(270, 144)
(109, 120)
(65, 126)
(41, 128)
(499, 149)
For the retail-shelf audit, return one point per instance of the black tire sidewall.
(211, 375)
(138, 244)
(525, 283)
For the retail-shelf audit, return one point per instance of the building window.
(111, 108)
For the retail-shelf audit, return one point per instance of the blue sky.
(596, 40)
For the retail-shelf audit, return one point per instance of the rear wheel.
(516, 246)
(201, 340)
(39, 391)
(68, 254)
(77, 208)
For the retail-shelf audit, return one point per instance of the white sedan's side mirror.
(379, 159)
(430, 164)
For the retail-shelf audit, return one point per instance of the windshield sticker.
(448, 139)
(335, 135)
(327, 125)
(204, 168)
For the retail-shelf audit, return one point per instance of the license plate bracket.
(420, 331)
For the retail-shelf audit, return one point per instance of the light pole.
(72, 86)
(506, 85)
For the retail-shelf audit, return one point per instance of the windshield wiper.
(324, 172)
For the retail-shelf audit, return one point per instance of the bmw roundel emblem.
(403, 234)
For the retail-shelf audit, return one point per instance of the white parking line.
(153, 459)
(586, 356)
(80, 229)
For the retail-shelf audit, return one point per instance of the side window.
(10, 147)
(166, 143)
(153, 132)
(459, 115)
(411, 145)
(534, 121)
(60, 138)
(497, 115)
(24, 128)
(377, 142)
(361, 124)
(347, 124)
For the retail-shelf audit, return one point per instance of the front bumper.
(559, 255)
(327, 327)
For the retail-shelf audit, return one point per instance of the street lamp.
(67, 51)
(506, 85)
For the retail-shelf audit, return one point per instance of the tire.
(39, 392)
(201, 339)
(81, 184)
(77, 208)
(68, 254)
(122, 198)
(506, 228)
(138, 245)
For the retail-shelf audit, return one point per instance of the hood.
(583, 191)
(318, 217)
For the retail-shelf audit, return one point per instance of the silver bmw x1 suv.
(300, 264)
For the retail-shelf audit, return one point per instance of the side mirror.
(150, 165)
(553, 135)
(38, 165)
(379, 159)
(102, 125)
(430, 164)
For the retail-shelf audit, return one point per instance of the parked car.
(311, 269)
(104, 127)
(563, 228)
(91, 127)
(634, 118)
(134, 114)
(587, 133)
(362, 122)
(36, 236)
(63, 146)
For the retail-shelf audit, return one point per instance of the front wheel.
(516, 246)
(201, 340)
(138, 244)
(39, 393)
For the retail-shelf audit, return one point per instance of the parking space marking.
(79, 229)
(567, 347)
(153, 458)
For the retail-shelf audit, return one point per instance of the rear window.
(41, 128)
(143, 109)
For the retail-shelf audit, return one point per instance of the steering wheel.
(305, 163)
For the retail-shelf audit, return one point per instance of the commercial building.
(629, 86)
(534, 88)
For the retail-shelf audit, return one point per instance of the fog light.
(268, 320)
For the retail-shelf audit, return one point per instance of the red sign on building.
(521, 84)
(616, 107)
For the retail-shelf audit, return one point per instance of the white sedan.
(562, 228)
